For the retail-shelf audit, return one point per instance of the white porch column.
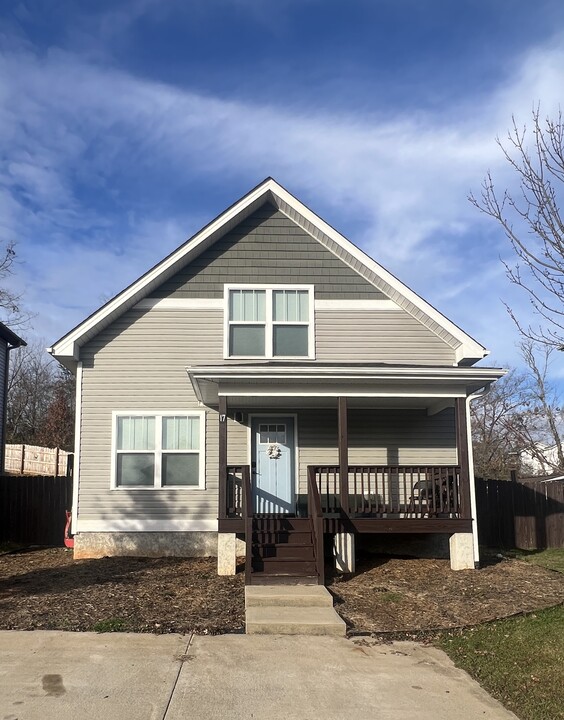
(226, 553)
(343, 550)
(461, 551)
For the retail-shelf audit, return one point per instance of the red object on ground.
(69, 541)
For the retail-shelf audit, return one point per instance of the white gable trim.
(270, 191)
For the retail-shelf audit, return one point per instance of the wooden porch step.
(286, 551)
(261, 579)
(276, 523)
(282, 566)
(279, 538)
(282, 550)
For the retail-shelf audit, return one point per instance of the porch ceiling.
(319, 386)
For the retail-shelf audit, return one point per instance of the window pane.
(303, 306)
(290, 305)
(260, 303)
(136, 433)
(181, 433)
(247, 340)
(235, 311)
(279, 305)
(290, 340)
(135, 469)
(247, 305)
(178, 469)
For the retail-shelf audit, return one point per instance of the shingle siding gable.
(267, 247)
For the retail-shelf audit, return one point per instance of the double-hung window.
(156, 450)
(269, 321)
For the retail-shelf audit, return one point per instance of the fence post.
(22, 466)
(56, 462)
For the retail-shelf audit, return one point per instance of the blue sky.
(126, 126)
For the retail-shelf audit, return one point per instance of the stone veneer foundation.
(145, 544)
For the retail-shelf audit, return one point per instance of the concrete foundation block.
(344, 552)
(226, 553)
(462, 551)
(145, 544)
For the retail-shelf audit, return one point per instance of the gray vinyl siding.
(387, 336)
(267, 247)
(139, 363)
(385, 437)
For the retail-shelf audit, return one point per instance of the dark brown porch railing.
(315, 514)
(411, 491)
(233, 507)
(247, 513)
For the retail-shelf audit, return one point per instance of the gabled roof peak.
(269, 190)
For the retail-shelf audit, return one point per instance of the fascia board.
(313, 372)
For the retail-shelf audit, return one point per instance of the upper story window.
(269, 321)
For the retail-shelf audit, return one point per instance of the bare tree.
(519, 420)
(532, 220)
(539, 425)
(40, 408)
(57, 426)
(494, 419)
(11, 310)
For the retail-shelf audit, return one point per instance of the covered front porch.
(308, 452)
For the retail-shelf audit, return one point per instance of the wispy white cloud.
(89, 153)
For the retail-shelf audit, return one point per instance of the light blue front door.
(273, 453)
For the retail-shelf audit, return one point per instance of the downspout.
(473, 506)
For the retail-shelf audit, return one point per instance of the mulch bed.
(407, 595)
(46, 589)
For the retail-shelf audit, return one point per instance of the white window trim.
(269, 322)
(158, 415)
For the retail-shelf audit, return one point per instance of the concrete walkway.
(48, 675)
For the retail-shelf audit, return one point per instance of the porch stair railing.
(315, 514)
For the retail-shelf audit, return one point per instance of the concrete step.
(287, 596)
(294, 621)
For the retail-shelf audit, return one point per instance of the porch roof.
(410, 386)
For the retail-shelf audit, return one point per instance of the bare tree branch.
(531, 219)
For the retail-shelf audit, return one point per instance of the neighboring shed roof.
(10, 337)
(467, 349)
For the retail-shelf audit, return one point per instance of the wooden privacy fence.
(527, 515)
(35, 460)
(33, 509)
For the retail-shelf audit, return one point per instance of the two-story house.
(269, 382)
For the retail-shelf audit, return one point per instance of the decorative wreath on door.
(274, 451)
